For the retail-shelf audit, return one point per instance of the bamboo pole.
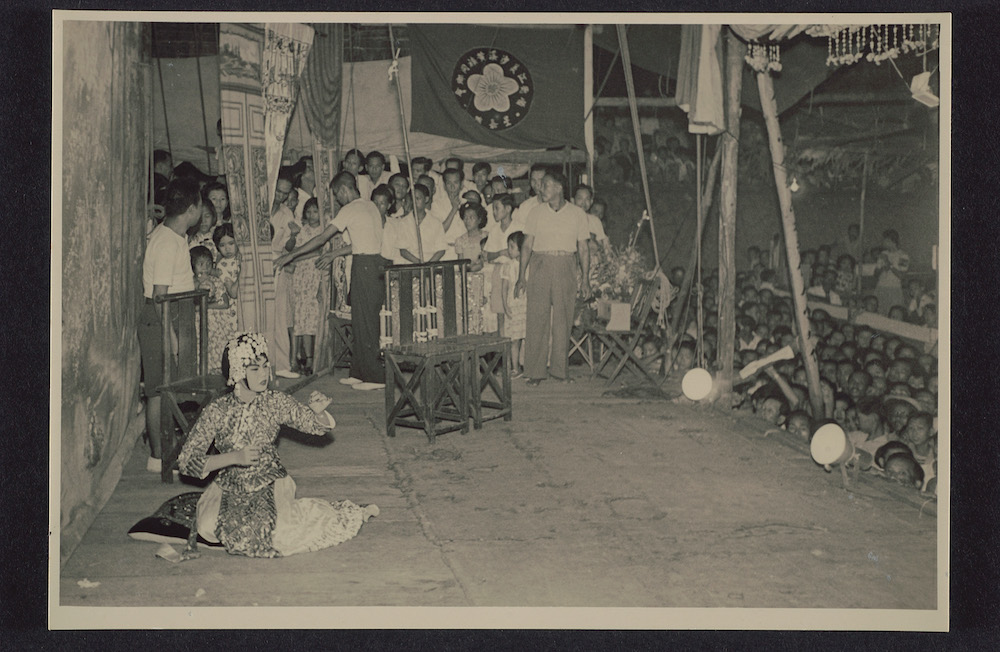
(730, 145)
(861, 231)
(765, 87)
(588, 99)
(706, 201)
(394, 74)
(633, 109)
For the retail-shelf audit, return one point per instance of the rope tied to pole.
(634, 110)
(394, 74)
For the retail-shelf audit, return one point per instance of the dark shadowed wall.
(105, 119)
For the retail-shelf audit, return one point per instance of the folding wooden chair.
(580, 342)
(619, 346)
(188, 379)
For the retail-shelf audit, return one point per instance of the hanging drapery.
(699, 79)
(242, 113)
(286, 47)
(321, 84)
(320, 100)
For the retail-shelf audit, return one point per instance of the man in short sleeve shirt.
(361, 220)
(166, 269)
(553, 231)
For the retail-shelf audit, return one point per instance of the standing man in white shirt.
(553, 231)
(432, 238)
(361, 220)
(535, 177)
(583, 196)
(166, 269)
(452, 221)
(375, 175)
(286, 229)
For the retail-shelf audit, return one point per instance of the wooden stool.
(435, 397)
(489, 360)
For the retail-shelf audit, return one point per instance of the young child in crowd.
(514, 308)
(220, 326)
(202, 233)
(227, 267)
(470, 244)
(305, 286)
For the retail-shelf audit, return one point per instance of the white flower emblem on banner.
(494, 87)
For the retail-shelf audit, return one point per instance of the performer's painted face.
(258, 374)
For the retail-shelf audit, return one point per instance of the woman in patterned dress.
(305, 287)
(251, 507)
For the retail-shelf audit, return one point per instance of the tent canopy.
(657, 48)
(369, 118)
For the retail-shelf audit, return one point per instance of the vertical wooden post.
(861, 231)
(765, 86)
(735, 52)
(677, 305)
(588, 99)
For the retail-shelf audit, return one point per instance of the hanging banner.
(513, 87)
(242, 112)
(286, 47)
(699, 79)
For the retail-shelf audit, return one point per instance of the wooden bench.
(437, 373)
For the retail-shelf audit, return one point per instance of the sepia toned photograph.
(563, 321)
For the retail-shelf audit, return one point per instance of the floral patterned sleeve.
(193, 455)
(293, 413)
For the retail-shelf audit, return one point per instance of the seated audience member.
(799, 423)
(898, 410)
(919, 435)
(917, 300)
(927, 401)
(685, 357)
(903, 469)
(898, 313)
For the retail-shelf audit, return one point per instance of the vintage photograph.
(564, 321)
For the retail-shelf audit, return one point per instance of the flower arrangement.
(615, 273)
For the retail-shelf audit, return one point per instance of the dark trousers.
(367, 297)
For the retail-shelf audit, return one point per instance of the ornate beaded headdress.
(244, 350)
